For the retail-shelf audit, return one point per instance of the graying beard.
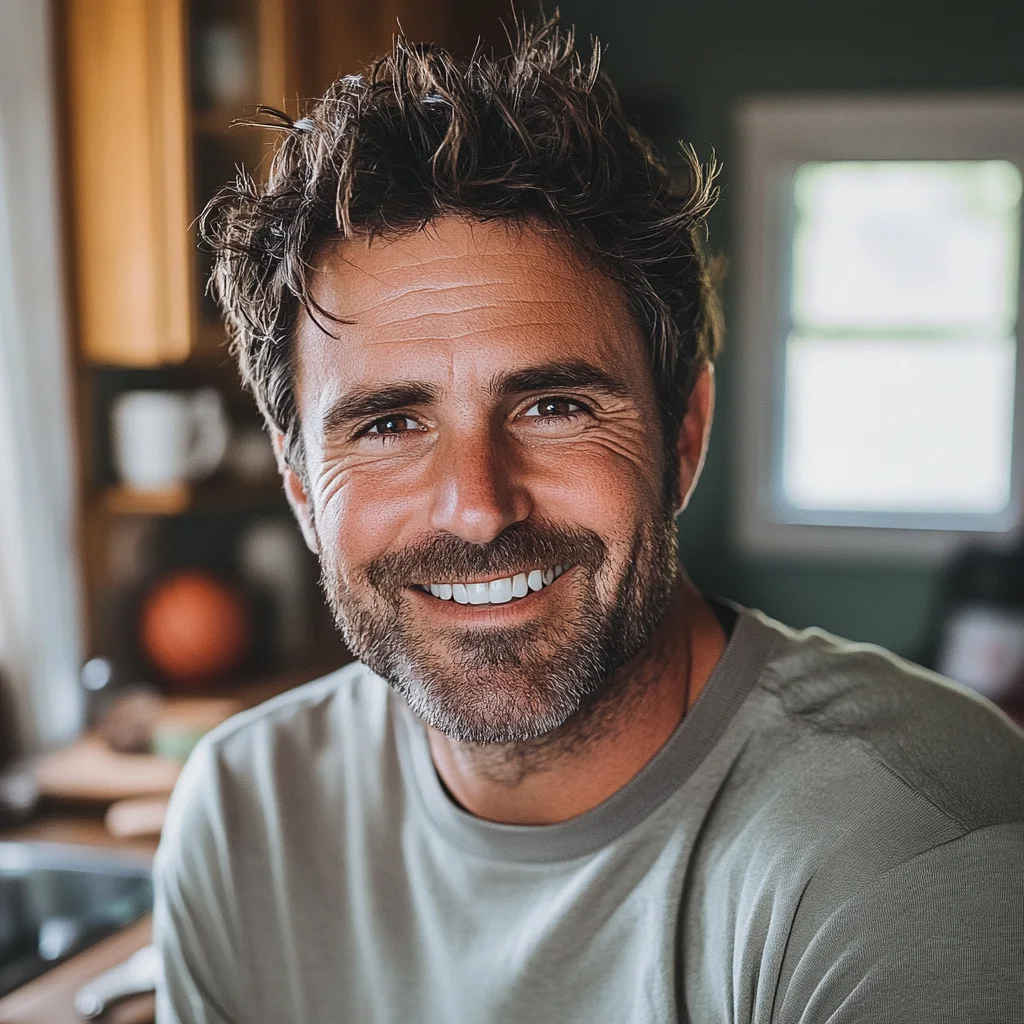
(583, 695)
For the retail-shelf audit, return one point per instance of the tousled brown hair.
(538, 135)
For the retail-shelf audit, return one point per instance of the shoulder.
(868, 832)
(951, 747)
(351, 703)
(850, 762)
(273, 760)
(939, 937)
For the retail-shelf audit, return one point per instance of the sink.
(57, 899)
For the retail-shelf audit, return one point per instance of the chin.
(499, 703)
(491, 719)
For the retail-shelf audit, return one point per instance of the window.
(880, 276)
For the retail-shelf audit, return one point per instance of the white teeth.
(496, 591)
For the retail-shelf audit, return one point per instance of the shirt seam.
(877, 756)
(881, 878)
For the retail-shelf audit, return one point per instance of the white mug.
(166, 438)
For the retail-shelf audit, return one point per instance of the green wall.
(682, 66)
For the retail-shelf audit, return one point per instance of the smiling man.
(560, 785)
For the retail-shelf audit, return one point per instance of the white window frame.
(776, 135)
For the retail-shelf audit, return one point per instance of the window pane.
(906, 246)
(899, 425)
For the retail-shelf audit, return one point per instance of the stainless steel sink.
(57, 899)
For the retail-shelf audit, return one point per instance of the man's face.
(485, 475)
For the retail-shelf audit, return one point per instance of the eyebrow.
(362, 403)
(556, 375)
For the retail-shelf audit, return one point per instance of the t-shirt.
(830, 835)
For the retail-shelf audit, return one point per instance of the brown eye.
(550, 408)
(392, 425)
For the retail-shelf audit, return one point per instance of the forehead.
(458, 300)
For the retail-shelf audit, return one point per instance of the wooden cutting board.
(88, 770)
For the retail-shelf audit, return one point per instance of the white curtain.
(39, 597)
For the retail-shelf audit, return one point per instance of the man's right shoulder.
(311, 743)
(348, 706)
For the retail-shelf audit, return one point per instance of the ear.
(694, 433)
(295, 492)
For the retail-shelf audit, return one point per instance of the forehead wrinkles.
(485, 289)
(455, 281)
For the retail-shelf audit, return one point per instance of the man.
(561, 785)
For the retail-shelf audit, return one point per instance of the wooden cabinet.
(152, 88)
(128, 144)
(141, 114)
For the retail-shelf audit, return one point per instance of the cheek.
(358, 522)
(606, 492)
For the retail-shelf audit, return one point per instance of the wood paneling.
(129, 163)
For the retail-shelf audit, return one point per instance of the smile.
(500, 591)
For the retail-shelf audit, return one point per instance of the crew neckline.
(727, 688)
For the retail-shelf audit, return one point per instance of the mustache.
(518, 548)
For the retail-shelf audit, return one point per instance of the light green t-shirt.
(831, 835)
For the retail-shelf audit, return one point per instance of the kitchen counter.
(49, 999)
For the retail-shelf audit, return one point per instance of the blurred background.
(866, 464)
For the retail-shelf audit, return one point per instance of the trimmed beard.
(514, 684)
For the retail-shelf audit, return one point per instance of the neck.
(572, 770)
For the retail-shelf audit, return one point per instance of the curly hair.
(536, 136)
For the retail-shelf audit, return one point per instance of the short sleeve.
(937, 940)
(195, 920)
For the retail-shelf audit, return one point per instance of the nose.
(479, 490)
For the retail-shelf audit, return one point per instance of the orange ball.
(195, 627)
